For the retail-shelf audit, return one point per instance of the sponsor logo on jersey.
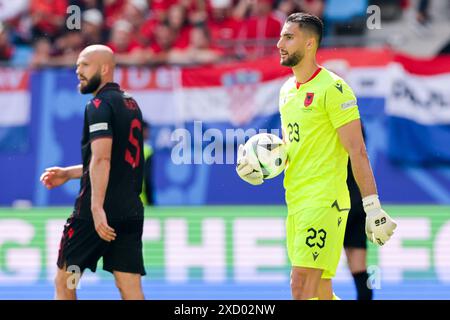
(96, 102)
(315, 255)
(348, 104)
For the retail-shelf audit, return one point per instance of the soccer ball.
(269, 151)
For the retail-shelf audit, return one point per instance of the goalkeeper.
(321, 129)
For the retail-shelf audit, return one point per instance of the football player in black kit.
(107, 219)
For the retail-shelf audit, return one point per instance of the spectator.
(14, 14)
(315, 7)
(47, 17)
(222, 25)
(121, 39)
(88, 4)
(199, 50)
(178, 22)
(196, 11)
(69, 46)
(260, 31)
(112, 11)
(92, 27)
(41, 55)
(123, 44)
(164, 40)
(284, 8)
(135, 12)
(158, 15)
(63, 52)
(161, 7)
(10, 10)
(6, 48)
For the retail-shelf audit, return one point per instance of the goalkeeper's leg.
(314, 242)
(305, 282)
(325, 290)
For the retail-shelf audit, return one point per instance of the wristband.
(371, 202)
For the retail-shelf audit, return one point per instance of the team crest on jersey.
(309, 99)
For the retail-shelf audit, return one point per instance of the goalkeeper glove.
(248, 169)
(379, 225)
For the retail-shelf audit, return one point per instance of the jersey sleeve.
(281, 102)
(341, 104)
(99, 119)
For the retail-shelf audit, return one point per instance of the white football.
(270, 151)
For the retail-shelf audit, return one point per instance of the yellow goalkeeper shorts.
(315, 238)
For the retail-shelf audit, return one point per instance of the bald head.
(95, 67)
(100, 53)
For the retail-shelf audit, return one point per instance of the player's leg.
(66, 284)
(124, 258)
(311, 239)
(129, 285)
(305, 282)
(302, 279)
(80, 248)
(337, 233)
(355, 244)
(325, 290)
(356, 258)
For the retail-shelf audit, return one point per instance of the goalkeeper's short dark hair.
(309, 22)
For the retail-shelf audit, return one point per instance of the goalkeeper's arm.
(379, 225)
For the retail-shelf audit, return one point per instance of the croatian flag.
(14, 110)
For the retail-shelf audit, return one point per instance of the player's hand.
(54, 176)
(248, 172)
(101, 225)
(379, 225)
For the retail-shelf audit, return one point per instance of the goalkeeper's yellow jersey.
(311, 112)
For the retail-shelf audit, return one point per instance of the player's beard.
(292, 59)
(92, 85)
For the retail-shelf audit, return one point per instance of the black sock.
(363, 292)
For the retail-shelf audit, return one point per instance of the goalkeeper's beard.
(292, 60)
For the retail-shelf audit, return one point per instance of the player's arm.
(74, 172)
(379, 225)
(99, 119)
(352, 139)
(99, 168)
(56, 176)
(342, 108)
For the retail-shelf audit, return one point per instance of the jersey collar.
(298, 84)
(109, 86)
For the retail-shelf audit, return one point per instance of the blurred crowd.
(147, 32)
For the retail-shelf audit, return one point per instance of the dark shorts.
(81, 247)
(355, 233)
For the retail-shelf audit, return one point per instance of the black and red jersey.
(113, 113)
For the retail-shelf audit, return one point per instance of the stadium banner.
(418, 108)
(232, 252)
(199, 115)
(15, 113)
